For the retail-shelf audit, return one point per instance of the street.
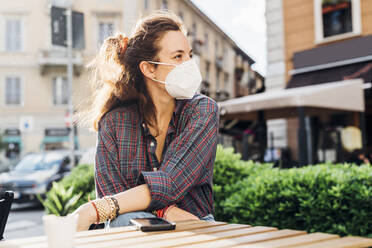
(25, 220)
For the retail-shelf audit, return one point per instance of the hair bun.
(123, 44)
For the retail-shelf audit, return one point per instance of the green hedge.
(228, 170)
(323, 198)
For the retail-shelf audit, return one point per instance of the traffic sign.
(26, 124)
(59, 31)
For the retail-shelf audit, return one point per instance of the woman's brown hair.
(116, 73)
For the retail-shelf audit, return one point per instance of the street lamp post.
(70, 73)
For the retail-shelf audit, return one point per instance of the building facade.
(33, 78)
(314, 42)
(275, 78)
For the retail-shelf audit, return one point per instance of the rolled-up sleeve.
(188, 161)
(108, 180)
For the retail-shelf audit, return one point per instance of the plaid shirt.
(126, 156)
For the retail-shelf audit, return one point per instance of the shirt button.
(155, 169)
(152, 143)
(143, 124)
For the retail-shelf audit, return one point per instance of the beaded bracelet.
(111, 204)
(103, 213)
(95, 207)
(160, 213)
(116, 205)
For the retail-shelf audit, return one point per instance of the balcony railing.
(222, 95)
(49, 58)
(205, 88)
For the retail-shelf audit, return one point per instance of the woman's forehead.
(172, 42)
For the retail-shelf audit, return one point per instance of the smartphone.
(152, 224)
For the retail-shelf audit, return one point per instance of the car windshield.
(39, 162)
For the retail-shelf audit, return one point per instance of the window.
(105, 29)
(13, 39)
(206, 42)
(224, 49)
(146, 4)
(335, 19)
(217, 79)
(164, 4)
(245, 78)
(216, 48)
(194, 30)
(60, 91)
(226, 79)
(207, 69)
(12, 91)
(180, 14)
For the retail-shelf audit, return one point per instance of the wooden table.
(199, 234)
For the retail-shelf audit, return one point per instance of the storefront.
(343, 60)
(12, 143)
(308, 106)
(57, 139)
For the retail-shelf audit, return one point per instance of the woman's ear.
(147, 69)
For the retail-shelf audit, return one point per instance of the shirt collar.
(179, 104)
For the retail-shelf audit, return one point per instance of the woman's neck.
(164, 110)
(165, 105)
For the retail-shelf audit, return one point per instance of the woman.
(157, 138)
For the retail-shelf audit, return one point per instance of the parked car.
(6, 165)
(35, 173)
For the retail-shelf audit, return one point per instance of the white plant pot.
(60, 230)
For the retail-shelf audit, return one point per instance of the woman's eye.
(179, 56)
(191, 55)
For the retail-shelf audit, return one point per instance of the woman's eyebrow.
(180, 51)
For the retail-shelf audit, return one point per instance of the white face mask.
(183, 81)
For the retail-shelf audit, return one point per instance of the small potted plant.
(59, 226)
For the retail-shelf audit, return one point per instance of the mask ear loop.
(159, 63)
(158, 81)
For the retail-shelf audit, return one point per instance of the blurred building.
(318, 103)
(33, 79)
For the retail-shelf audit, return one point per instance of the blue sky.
(244, 22)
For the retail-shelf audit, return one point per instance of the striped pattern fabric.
(126, 157)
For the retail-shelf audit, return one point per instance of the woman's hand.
(177, 214)
(87, 216)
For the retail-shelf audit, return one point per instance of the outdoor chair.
(6, 199)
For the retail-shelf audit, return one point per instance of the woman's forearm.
(139, 198)
(134, 199)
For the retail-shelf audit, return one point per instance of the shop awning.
(12, 139)
(338, 61)
(336, 54)
(345, 95)
(58, 139)
(361, 70)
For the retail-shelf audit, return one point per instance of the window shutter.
(13, 40)
(64, 91)
(12, 90)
